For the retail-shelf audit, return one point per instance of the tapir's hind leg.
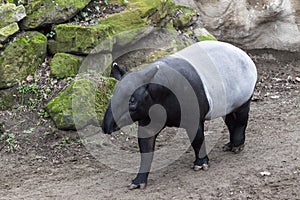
(237, 123)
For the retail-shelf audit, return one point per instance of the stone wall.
(252, 24)
(79, 39)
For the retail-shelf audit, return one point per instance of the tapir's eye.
(132, 104)
(132, 100)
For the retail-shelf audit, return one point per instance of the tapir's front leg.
(146, 142)
(198, 143)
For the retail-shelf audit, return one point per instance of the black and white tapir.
(204, 81)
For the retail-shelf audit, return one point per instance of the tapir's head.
(131, 99)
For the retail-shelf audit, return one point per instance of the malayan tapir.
(206, 80)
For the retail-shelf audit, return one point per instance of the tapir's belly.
(228, 75)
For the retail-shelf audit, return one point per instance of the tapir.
(204, 81)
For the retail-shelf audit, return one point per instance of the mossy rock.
(8, 30)
(202, 34)
(82, 103)
(79, 40)
(41, 13)
(94, 39)
(21, 58)
(18, 2)
(115, 30)
(184, 17)
(10, 13)
(64, 65)
(96, 64)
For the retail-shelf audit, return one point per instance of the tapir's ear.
(150, 73)
(117, 72)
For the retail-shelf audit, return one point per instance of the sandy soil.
(52, 164)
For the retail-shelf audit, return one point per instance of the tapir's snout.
(109, 125)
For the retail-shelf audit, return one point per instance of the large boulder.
(253, 24)
(77, 39)
(21, 58)
(80, 40)
(82, 103)
(10, 14)
(45, 12)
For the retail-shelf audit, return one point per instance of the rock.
(41, 13)
(202, 34)
(21, 58)
(82, 103)
(187, 3)
(265, 173)
(84, 40)
(99, 64)
(184, 17)
(253, 24)
(8, 30)
(64, 65)
(10, 13)
(137, 16)
(80, 40)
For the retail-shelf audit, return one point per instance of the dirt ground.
(50, 164)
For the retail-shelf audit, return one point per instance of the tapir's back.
(228, 74)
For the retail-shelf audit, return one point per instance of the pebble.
(265, 173)
(29, 79)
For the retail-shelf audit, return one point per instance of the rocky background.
(252, 24)
(45, 44)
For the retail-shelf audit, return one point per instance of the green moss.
(10, 13)
(126, 20)
(81, 104)
(79, 39)
(7, 31)
(122, 2)
(64, 65)
(202, 34)
(21, 58)
(82, 40)
(103, 96)
(35, 11)
(18, 2)
(79, 4)
(41, 13)
(60, 109)
(151, 7)
(155, 55)
(118, 29)
(155, 11)
(185, 16)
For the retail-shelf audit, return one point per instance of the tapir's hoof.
(230, 147)
(200, 167)
(134, 186)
